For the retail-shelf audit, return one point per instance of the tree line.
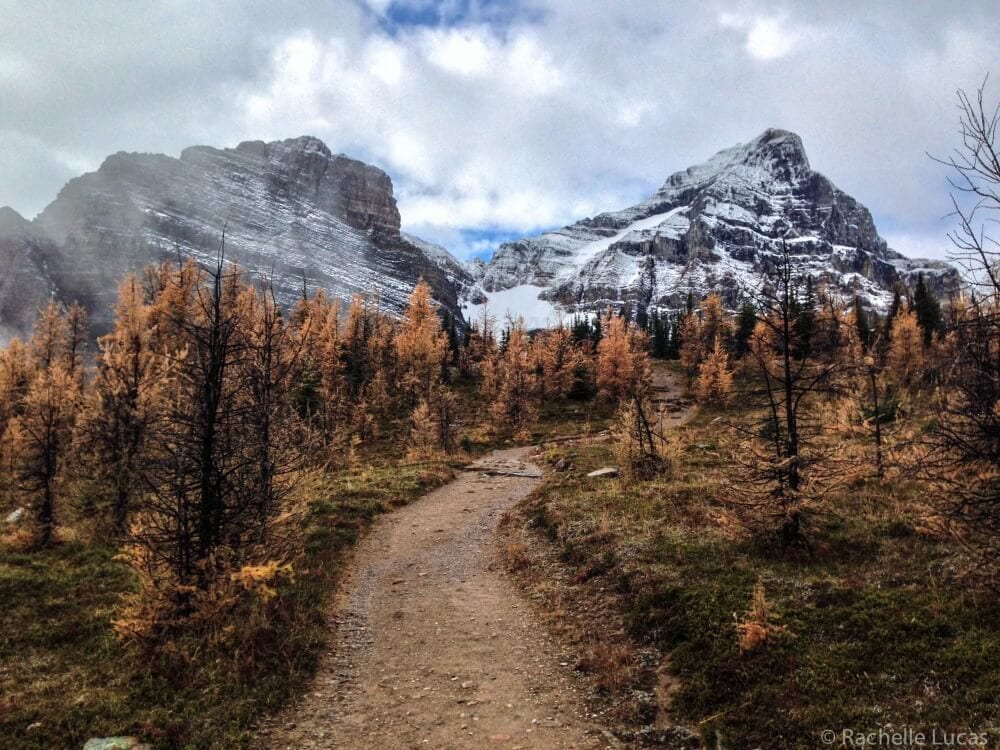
(183, 435)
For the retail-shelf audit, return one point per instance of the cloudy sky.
(497, 119)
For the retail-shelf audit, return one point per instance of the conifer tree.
(784, 467)
(41, 435)
(122, 404)
(622, 359)
(715, 379)
(905, 356)
(421, 345)
(555, 358)
(16, 373)
(513, 384)
(76, 342)
(691, 346)
(49, 337)
(745, 324)
(927, 309)
(862, 325)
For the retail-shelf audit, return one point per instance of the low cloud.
(500, 119)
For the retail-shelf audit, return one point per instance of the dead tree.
(784, 472)
(963, 448)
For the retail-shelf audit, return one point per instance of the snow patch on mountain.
(714, 226)
(520, 302)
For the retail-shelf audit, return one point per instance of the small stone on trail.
(115, 743)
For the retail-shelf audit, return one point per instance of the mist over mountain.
(295, 212)
(290, 210)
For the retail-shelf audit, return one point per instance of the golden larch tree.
(622, 359)
(905, 357)
(421, 345)
(41, 436)
(512, 384)
(715, 379)
(122, 403)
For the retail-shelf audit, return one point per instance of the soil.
(434, 646)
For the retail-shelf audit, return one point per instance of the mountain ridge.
(294, 209)
(291, 209)
(716, 226)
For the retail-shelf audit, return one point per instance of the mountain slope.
(718, 225)
(290, 209)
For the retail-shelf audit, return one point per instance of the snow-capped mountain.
(290, 209)
(716, 226)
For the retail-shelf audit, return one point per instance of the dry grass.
(65, 675)
(877, 624)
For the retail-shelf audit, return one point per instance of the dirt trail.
(434, 647)
(668, 395)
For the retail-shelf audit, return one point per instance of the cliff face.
(715, 226)
(289, 209)
(24, 283)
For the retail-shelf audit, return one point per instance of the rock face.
(290, 209)
(716, 226)
(24, 281)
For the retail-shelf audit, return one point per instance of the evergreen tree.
(642, 317)
(596, 332)
(745, 323)
(928, 310)
(805, 318)
(661, 335)
(451, 331)
(863, 326)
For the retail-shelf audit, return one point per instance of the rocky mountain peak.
(774, 157)
(715, 226)
(291, 208)
(11, 220)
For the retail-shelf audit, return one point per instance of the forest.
(821, 537)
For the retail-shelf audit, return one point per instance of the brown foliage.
(511, 381)
(622, 360)
(421, 346)
(715, 379)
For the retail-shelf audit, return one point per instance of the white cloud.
(563, 108)
(767, 37)
(929, 243)
(464, 52)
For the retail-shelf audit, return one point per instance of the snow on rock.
(521, 301)
(290, 209)
(714, 226)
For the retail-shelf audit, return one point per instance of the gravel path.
(434, 647)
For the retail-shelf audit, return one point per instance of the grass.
(874, 627)
(65, 677)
